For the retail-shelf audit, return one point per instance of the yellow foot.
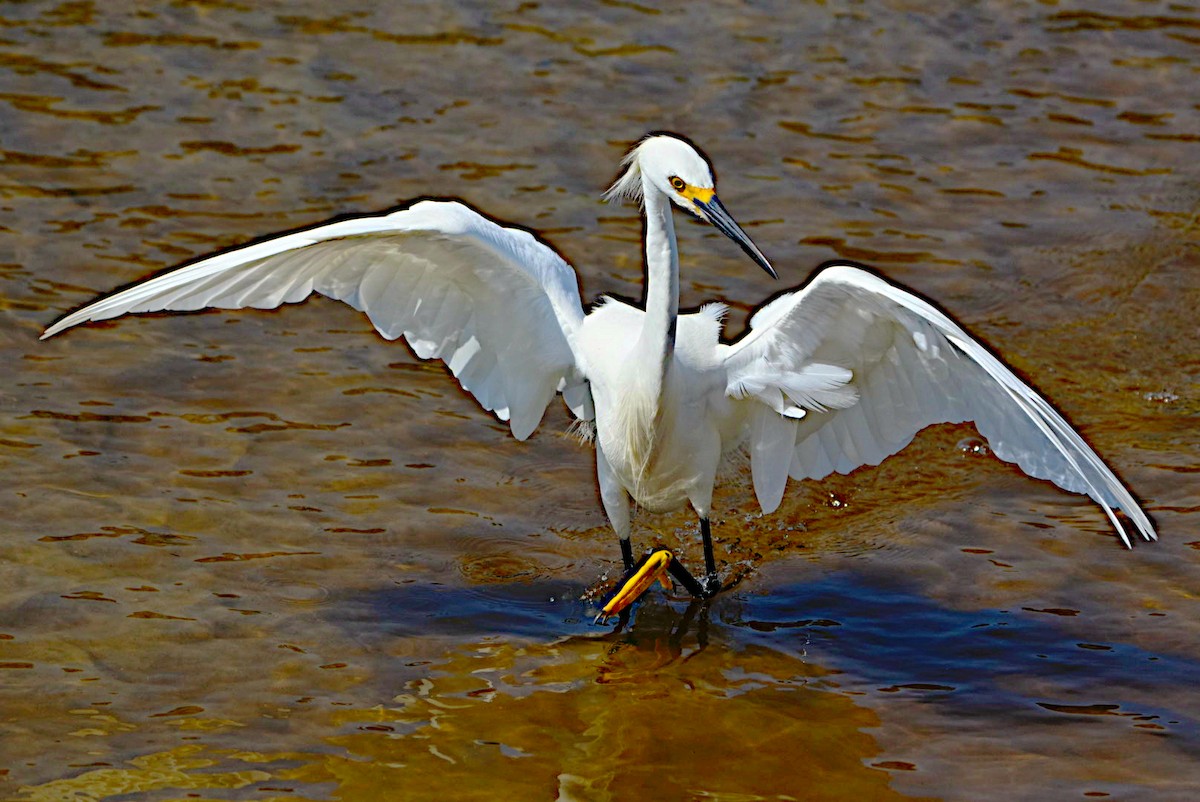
(653, 570)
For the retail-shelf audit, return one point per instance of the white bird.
(840, 373)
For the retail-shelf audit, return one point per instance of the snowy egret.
(842, 372)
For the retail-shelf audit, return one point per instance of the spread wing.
(850, 368)
(499, 307)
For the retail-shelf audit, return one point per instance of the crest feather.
(628, 185)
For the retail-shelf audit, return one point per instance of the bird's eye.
(677, 183)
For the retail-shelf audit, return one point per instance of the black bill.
(714, 212)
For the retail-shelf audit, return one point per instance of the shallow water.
(266, 555)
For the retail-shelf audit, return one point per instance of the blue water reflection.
(874, 640)
(890, 640)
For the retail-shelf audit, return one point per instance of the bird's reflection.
(655, 621)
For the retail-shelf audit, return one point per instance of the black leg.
(711, 583)
(701, 590)
(627, 554)
(710, 565)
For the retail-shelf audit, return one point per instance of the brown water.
(268, 556)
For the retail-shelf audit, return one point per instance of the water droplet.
(973, 445)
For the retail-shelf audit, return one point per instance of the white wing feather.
(501, 308)
(907, 366)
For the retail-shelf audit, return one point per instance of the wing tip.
(88, 314)
(1136, 516)
(55, 328)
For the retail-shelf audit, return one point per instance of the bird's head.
(675, 168)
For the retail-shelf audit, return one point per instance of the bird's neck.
(662, 279)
